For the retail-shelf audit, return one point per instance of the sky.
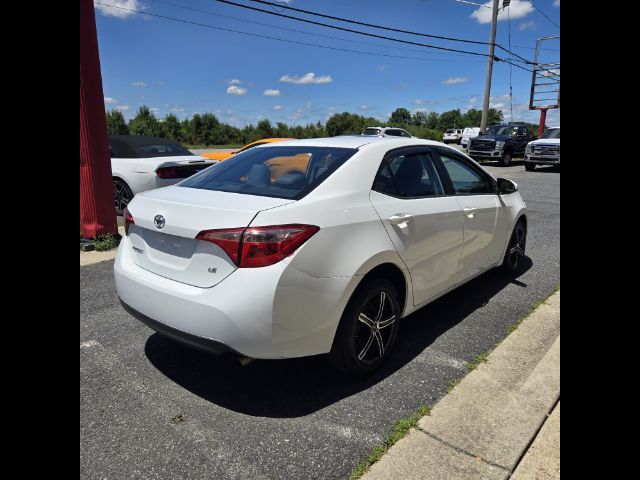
(183, 68)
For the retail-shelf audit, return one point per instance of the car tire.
(505, 161)
(529, 167)
(122, 195)
(514, 256)
(367, 333)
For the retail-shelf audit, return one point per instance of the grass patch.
(478, 359)
(398, 431)
(105, 242)
(452, 384)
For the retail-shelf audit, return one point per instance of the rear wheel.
(529, 167)
(368, 328)
(514, 256)
(122, 193)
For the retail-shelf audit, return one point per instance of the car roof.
(351, 141)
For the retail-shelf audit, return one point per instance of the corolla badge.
(158, 221)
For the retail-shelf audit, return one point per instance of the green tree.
(472, 118)
(145, 123)
(116, 124)
(432, 120)
(419, 118)
(401, 116)
(450, 119)
(264, 129)
(345, 123)
(171, 128)
(494, 116)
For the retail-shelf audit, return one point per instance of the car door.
(424, 224)
(522, 138)
(476, 193)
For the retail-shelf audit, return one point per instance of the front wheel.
(514, 256)
(368, 328)
(505, 161)
(529, 167)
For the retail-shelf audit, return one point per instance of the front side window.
(465, 179)
(282, 172)
(409, 176)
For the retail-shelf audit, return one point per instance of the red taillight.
(259, 246)
(167, 172)
(128, 220)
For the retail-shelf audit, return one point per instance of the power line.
(352, 31)
(543, 14)
(356, 22)
(310, 33)
(261, 36)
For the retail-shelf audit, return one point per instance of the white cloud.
(110, 100)
(122, 108)
(365, 107)
(233, 90)
(454, 80)
(306, 79)
(530, 25)
(422, 101)
(277, 107)
(235, 81)
(139, 84)
(518, 9)
(473, 100)
(381, 67)
(270, 92)
(178, 109)
(154, 109)
(117, 12)
(556, 3)
(552, 73)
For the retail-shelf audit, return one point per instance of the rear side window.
(283, 172)
(371, 131)
(465, 179)
(409, 176)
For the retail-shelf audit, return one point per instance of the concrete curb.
(485, 425)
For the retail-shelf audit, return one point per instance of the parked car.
(468, 133)
(453, 135)
(386, 132)
(323, 262)
(545, 151)
(220, 156)
(140, 163)
(500, 142)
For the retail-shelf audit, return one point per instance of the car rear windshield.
(371, 131)
(282, 172)
(551, 133)
(163, 150)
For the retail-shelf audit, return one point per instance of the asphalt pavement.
(153, 409)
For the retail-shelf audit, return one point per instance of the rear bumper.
(193, 341)
(269, 312)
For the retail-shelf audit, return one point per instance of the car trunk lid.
(167, 221)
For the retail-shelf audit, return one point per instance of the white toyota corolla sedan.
(315, 246)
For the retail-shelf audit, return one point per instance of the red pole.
(543, 118)
(97, 211)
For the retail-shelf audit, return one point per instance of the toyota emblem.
(158, 221)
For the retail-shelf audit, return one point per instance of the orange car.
(220, 156)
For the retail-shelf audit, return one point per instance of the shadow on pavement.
(298, 387)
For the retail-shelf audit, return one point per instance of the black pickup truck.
(500, 142)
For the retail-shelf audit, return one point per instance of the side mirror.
(506, 186)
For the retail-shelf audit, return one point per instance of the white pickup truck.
(544, 151)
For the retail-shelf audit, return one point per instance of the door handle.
(401, 218)
(469, 211)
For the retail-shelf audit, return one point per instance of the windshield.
(500, 130)
(163, 150)
(552, 133)
(282, 172)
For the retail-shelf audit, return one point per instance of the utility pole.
(97, 212)
(487, 85)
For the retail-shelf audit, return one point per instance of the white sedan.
(323, 260)
(140, 163)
